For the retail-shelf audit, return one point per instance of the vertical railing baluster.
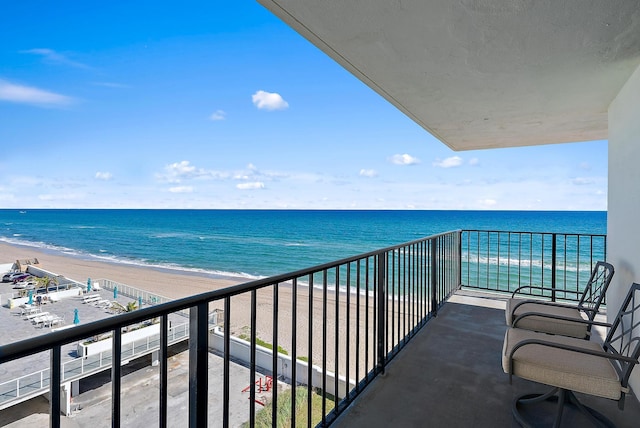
(198, 364)
(252, 362)
(348, 335)
(405, 294)
(358, 267)
(54, 387)
(434, 297)
(116, 373)
(336, 351)
(162, 355)
(294, 349)
(366, 317)
(310, 360)
(274, 361)
(324, 346)
(553, 267)
(459, 264)
(393, 298)
(381, 297)
(374, 322)
(226, 384)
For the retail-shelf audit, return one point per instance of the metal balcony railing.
(344, 321)
(505, 260)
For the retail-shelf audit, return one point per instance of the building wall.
(623, 218)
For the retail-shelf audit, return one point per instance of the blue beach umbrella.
(139, 302)
(31, 297)
(88, 284)
(76, 318)
(115, 292)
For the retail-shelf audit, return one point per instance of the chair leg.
(562, 397)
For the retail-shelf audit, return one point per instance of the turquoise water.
(257, 243)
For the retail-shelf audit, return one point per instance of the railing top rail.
(23, 348)
(603, 235)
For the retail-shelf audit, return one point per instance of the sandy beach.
(163, 282)
(180, 284)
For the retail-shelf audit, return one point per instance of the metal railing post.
(162, 356)
(434, 272)
(54, 388)
(459, 261)
(198, 365)
(553, 267)
(116, 373)
(382, 299)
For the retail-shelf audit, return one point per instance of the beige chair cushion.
(574, 371)
(546, 325)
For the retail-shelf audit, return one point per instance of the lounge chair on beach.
(561, 318)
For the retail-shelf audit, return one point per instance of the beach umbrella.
(88, 284)
(76, 318)
(115, 292)
(31, 297)
(139, 302)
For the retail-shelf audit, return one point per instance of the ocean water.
(256, 243)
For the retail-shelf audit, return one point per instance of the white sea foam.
(120, 260)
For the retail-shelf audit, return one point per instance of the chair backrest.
(596, 288)
(623, 338)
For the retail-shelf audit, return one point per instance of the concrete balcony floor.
(450, 375)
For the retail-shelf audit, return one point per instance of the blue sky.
(221, 105)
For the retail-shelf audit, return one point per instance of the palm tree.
(132, 306)
(45, 282)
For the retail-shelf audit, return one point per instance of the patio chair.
(573, 365)
(561, 318)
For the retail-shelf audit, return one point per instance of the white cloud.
(178, 171)
(30, 95)
(368, 173)
(474, 161)
(586, 166)
(253, 185)
(269, 101)
(451, 162)
(404, 159)
(51, 56)
(218, 115)
(59, 197)
(581, 181)
(181, 189)
(487, 203)
(104, 176)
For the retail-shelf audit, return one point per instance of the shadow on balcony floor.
(450, 375)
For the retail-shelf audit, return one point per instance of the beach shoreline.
(166, 282)
(176, 285)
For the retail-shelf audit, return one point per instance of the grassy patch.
(283, 418)
(264, 344)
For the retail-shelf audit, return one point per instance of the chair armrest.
(570, 348)
(554, 304)
(557, 317)
(535, 287)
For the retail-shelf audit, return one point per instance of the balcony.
(376, 337)
(450, 375)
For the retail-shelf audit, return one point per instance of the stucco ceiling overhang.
(483, 73)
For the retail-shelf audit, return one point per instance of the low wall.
(63, 294)
(93, 348)
(241, 350)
